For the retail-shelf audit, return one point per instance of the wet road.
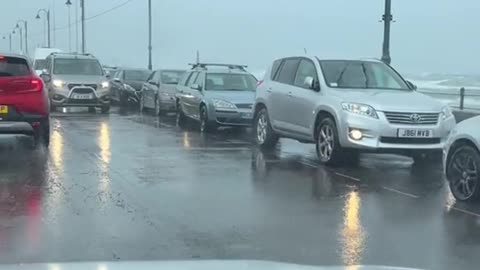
(135, 187)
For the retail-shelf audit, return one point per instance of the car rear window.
(13, 66)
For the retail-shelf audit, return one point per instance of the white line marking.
(217, 148)
(464, 211)
(347, 176)
(401, 192)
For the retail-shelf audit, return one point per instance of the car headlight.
(58, 83)
(105, 84)
(360, 109)
(446, 112)
(223, 104)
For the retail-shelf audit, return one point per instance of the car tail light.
(259, 83)
(37, 84)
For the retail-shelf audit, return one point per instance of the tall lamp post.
(25, 26)
(150, 34)
(69, 4)
(47, 14)
(9, 41)
(21, 37)
(387, 19)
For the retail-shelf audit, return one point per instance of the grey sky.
(428, 35)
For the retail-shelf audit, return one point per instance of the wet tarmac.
(128, 186)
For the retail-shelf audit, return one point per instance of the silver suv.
(348, 105)
(76, 80)
(216, 95)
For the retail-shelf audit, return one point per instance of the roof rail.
(71, 53)
(230, 66)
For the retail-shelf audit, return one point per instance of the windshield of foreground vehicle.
(40, 64)
(232, 82)
(77, 67)
(171, 77)
(361, 75)
(137, 75)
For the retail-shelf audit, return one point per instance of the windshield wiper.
(365, 73)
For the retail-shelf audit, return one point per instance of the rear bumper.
(22, 128)
(21, 124)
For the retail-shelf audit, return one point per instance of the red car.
(24, 104)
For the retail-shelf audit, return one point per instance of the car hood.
(236, 97)
(390, 100)
(135, 84)
(86, 79)
(189, 265)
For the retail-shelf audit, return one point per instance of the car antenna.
(305, 50)
(198, 57)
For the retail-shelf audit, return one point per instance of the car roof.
(14, 55)
(72, 56)
(224, 71)
(332, 59)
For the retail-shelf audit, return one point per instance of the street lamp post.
(387, 18)
(69, 3)
(84, 42)
(150, 34)
(25, 25)
(9, 41)
(47, 13)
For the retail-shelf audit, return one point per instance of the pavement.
(130, 186)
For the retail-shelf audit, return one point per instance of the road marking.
(347, 176)
(464, 211)
(218, 148)
(401, 192)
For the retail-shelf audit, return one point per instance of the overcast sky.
(428, 35)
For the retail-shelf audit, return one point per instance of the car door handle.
(289, 94)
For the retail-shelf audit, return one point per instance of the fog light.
(356, 134)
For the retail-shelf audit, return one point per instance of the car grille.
(394, 140)
(82, 90)
(412, 118)
(72, 85)
(244, 106)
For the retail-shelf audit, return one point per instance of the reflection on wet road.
(128, 186)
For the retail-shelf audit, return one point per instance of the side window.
(192, 78)
(156, 76)
(306, 68)
(185, 78)
(287, 72)
(199, 79)
(275, 67)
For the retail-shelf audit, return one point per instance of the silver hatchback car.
(345, 106)
(218, 96)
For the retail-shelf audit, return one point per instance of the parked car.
(23, 100)
(40, 58)
(218, 96)
(127, 83)
(158, 93)
(347, 106)
(462, 160)
(76, 80)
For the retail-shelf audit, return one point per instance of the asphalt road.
(127, 186)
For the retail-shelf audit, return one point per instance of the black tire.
(463, 171)
(181, 118)
(141, 104)
(329, 150)
(123, 100)
(265, 136)
(105, 109)
(53, 108)
(205, 124)
(157, 110)
(42, 136)
(92, 110)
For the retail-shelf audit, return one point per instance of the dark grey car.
(158, 93)
(126, 84)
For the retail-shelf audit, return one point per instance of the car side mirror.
(108, 75)
(46, 77)
(311, 83)
(411, 85)
(196, 87)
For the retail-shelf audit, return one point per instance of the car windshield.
(361, 75)
(171, 77)
(13, 66)
(137, 75)
(230, 82)
(73, 66)
(40, 64)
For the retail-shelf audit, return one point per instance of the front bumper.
(167, 103)
(238, 117)
(67, 97)
(381, 136)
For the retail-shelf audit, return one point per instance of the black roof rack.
(230, 66)
(71, 53)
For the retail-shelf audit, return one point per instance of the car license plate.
(3, 109)
(414, 133)
(82, 96)
(246, 115)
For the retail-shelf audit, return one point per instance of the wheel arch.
(321, 114)
(458, 143)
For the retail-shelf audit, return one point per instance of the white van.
(39, 60)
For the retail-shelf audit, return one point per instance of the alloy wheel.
(326, 142)
(463, 175)
(203, 120)
(261, 128)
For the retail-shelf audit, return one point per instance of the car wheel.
(265, 137)
(42, 136)
(181, 118)
(142, 103)
(157, 107)
(328, 147)
(463, 171)
(123, 100)
(53, 108)
(205, 124)
(105, 109)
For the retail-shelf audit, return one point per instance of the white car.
(462, 160)
(348, 106)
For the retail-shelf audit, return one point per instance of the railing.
(461, 94)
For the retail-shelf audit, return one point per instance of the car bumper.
(242, 118)
(167, 103)
(15, 123)
(67, 98)
(381, 136)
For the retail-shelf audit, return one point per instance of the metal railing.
(461, 94)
